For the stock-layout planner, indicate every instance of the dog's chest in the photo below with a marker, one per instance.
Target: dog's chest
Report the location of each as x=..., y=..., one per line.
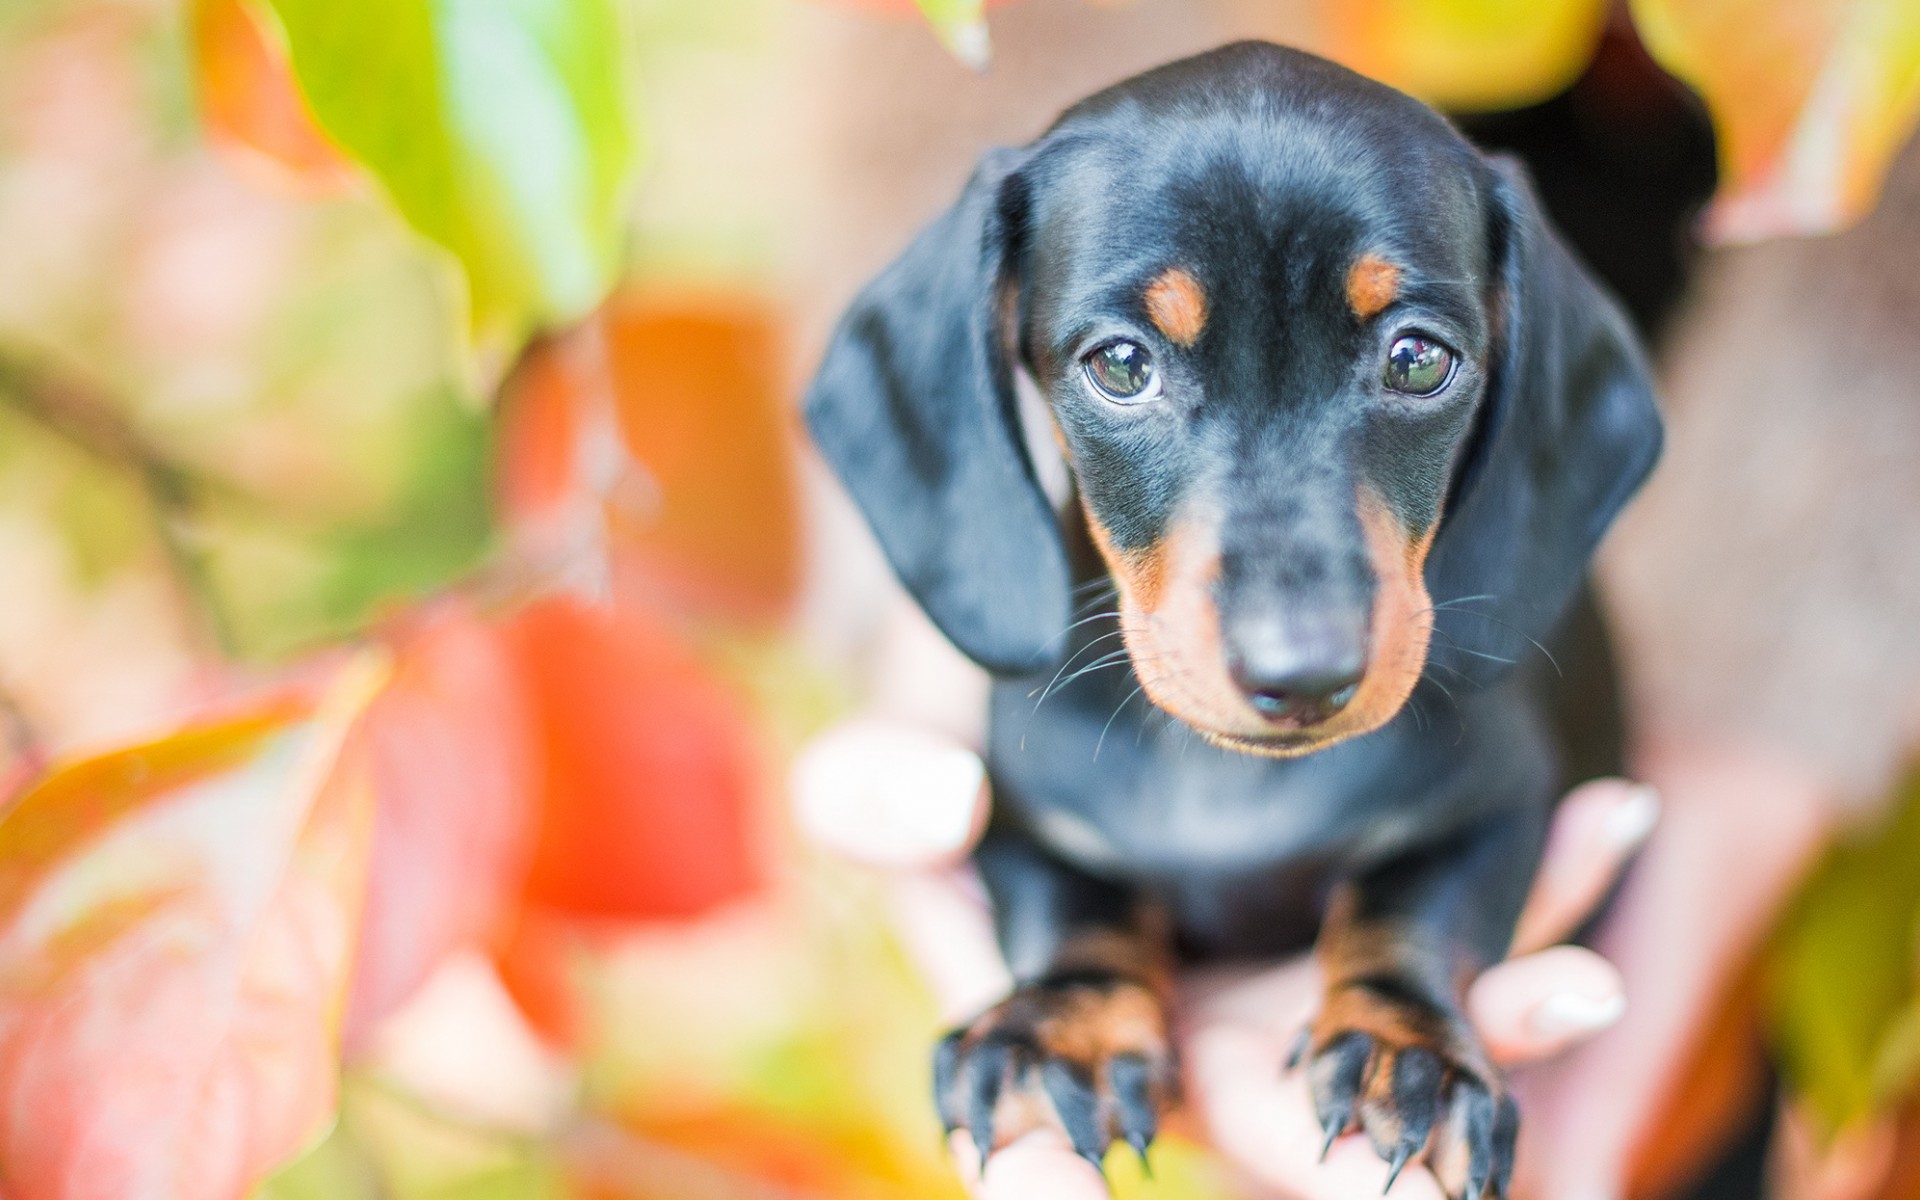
x=1238, y=844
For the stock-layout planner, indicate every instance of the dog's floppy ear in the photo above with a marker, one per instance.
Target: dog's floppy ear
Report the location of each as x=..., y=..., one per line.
x=1568, y=430
x=914, y=406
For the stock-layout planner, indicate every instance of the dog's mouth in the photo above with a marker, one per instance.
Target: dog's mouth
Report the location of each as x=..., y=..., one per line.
x=1290, y=744
x=1171, y=629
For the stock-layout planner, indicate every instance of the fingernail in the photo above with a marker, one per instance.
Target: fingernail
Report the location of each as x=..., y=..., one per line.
x=1632, y=821
x=1571, y=1014
x=887, y=794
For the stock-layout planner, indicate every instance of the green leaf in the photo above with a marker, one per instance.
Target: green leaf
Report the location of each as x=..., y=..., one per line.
x=1841, y=979
x=498, y=127
x=962, y=26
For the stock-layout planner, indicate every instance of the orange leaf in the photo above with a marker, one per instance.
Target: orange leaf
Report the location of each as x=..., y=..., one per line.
x=537, y=955
x=708, y=508
x=1811, y=99
x=176, y=924
x=451, y=751
x=250, y=104
x=703, y=409
x=650, y=768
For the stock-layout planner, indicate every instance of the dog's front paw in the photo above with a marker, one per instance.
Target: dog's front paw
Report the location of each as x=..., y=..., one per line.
x=1414, y=1080
x=1085, y=1052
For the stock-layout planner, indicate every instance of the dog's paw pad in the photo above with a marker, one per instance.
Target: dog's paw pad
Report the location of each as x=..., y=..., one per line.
x=1088, y=1055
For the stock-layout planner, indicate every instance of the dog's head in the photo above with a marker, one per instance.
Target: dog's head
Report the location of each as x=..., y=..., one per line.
x=1315, y=364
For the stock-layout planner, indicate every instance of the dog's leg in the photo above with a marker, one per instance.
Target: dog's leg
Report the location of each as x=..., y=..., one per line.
x=1391, y=1051
x=1082, y=1042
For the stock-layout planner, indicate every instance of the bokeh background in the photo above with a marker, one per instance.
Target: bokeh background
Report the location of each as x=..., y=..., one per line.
x=413, y=585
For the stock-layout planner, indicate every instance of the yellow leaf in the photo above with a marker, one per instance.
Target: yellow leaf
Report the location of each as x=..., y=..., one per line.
x=1465, y=54
x=1811, y=100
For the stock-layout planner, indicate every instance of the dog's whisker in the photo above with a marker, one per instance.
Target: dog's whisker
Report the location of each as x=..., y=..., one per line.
x=1459, y=600
x=1055, y=681
x=1454, y=643
x=1112, y=659
x=1137, y=689
x=1102, y=615
x=1467, y=612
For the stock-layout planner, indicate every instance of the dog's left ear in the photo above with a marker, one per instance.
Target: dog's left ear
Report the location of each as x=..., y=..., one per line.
x=1567, y=432
x=914, y=406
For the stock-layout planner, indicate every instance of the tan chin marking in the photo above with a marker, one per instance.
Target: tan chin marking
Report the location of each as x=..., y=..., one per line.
x=1372, y=283
x=1172, y=631
x=1177, y=306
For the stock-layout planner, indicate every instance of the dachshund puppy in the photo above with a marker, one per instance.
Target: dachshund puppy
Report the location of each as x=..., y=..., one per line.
x=1341, y=423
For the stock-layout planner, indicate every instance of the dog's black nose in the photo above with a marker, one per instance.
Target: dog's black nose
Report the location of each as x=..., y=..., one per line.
x=1298, y=683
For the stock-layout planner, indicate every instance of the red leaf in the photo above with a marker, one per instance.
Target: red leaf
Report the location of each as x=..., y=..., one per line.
x=452, y=762
x=650, y=769
x=176, y=926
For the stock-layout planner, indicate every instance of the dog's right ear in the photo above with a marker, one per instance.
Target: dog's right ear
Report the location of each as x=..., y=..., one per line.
x=914, y=406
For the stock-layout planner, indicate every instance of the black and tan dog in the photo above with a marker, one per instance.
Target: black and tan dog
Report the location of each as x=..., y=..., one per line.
x=1342, y=423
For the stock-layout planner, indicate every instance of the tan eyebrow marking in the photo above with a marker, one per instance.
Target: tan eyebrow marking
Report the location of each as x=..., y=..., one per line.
x=1372, y=283
x=1177, y=306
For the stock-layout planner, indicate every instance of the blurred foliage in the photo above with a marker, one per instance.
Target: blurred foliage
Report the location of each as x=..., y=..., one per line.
x=499, y=128
x=1467, y=54
x=1812, y=100
x=1843, y=974
x=177, y=938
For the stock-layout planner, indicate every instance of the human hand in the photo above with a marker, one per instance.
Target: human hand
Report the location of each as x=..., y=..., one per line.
x=913, y=804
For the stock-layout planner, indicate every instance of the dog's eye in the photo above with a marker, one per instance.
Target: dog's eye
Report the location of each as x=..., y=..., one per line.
x=1123, y=372
x=1418, y=366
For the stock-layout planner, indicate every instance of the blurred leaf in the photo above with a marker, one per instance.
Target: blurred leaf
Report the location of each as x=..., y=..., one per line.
x=962, y=28
x=711, y=514
x=1811, y=99
x=498, y=127
x=1465, y=54
x=176, y=928
x=391, y=1145
x=249, y=103
x=650, y=783
x=292, y=577
x=334, y=1169
x=703, y=409
x=452, y=766
x=1842, y=973
x=651, y=772
x=541, y=956
x=439, y=526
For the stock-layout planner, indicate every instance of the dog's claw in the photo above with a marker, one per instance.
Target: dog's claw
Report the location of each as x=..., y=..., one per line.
x=1416, y=1106
x=1134, y=1112
x=1140, y=1145
x=1297, y=1053
x=1332, y=1135
x=1335, y=1077
x=986, y=1072
x=946, y=1064
x=1394, y=1168
x=1078, y=1107
x=1506, y=1130
x=1473, y=1113
x=1073, y=1053
x=1419, y=1078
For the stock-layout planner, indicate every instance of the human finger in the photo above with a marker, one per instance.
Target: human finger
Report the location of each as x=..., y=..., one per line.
x=1596, y=830
x=890, y=794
